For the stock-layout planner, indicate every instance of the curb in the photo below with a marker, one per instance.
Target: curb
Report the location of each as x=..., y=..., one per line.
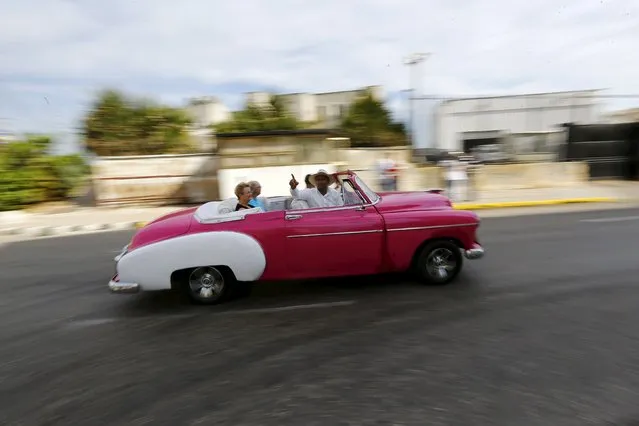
x=47, y=231
x=537, y=203
x=44, y=231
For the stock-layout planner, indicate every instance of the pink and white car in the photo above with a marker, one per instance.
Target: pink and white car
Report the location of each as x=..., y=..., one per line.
x=213, y=253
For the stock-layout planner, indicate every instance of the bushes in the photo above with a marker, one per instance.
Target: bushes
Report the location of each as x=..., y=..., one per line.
x=117, y=125
x=29, y=176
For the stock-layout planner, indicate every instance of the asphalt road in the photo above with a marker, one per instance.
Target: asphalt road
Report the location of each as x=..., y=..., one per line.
x=542, y=331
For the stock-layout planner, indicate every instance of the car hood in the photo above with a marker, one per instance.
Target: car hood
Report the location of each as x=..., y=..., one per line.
x=168, y=226
x=418, y=200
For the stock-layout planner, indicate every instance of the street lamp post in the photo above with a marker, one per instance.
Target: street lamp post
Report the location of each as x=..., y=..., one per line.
x=412, y=61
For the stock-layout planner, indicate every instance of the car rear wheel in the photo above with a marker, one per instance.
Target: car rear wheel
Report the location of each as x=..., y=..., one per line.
x=208, y=285
x=439, y=262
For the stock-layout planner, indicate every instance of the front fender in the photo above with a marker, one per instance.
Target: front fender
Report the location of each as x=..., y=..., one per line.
x=151, y=266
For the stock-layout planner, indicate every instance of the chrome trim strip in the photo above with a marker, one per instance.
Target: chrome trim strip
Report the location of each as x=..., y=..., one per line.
x=326, y=234
x=124, y=251
x=419, y=228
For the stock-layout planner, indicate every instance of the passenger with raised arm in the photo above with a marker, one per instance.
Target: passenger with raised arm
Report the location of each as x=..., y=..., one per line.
x=243, y=194
x=319, y=196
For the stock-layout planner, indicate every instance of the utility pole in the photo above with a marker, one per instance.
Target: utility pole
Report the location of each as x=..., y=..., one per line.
x=412, y=61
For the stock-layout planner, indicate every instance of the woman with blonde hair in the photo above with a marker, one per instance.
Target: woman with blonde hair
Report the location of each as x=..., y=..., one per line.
x=243, y=194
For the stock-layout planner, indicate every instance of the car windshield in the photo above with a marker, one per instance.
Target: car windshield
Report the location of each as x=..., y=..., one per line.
x=372, y=195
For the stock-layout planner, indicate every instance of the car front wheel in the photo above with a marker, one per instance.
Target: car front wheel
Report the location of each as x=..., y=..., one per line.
x=439, y=262
x=208, y=285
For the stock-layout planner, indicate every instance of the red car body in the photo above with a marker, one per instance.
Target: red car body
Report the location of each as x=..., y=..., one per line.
x=378, y=233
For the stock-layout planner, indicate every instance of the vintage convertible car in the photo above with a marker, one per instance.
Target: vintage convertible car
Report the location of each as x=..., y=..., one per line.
x=214, y=253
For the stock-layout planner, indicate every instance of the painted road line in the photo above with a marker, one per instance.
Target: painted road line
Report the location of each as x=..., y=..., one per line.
x=611, y=219
x=93, y=322
x=290, y=308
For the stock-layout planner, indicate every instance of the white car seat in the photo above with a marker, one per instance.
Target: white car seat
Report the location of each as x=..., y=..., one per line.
x=298, y=204
x=227, y=206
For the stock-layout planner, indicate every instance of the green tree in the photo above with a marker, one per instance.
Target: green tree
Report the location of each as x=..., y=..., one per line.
x=369, y=123
x=253, y=118
x=28, y=175
x=116, y=125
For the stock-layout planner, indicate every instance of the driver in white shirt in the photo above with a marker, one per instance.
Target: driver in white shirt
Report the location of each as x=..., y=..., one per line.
x=320, y=196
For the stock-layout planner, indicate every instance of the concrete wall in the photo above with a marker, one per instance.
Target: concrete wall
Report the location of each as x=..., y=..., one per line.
x=194, y=178
x=501, y=177
x=531, y=175
x=240, y=152
x=162, y=178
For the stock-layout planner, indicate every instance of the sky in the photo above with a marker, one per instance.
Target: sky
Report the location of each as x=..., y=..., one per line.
x=56, y=54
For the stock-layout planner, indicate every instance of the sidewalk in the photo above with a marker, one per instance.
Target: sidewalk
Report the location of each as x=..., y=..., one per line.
x=87, y=219
x=80, y=220
x=597, y=192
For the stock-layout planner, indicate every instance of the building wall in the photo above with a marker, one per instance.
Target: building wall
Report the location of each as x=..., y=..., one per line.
x=207, y=111
x=327, y=108
x=514, y=114
x=301, y=105
x=258, y=98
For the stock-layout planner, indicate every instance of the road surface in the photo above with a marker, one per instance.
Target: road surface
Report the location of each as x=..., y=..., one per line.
x=542, y=331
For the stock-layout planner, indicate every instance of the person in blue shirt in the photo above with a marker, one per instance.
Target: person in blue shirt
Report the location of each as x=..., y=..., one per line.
x=256, y=190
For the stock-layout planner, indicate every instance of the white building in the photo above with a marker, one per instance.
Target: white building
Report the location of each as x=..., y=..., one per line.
x=326, y=108
x=540, y=112
x=207, y=111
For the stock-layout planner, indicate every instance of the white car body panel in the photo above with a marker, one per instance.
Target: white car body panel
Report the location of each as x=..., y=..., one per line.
x=151, y=266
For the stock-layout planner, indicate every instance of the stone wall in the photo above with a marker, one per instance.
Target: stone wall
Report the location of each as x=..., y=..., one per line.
x=161, y=178
x=195, y=178
x=500, y=177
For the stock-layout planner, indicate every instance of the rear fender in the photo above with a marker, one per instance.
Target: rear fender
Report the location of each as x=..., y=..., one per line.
x=151, y=266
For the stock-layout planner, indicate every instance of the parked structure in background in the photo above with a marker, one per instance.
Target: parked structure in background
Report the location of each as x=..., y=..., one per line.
x=207, y=111
x=327, y=109
x=610, y=150
x=527, y=113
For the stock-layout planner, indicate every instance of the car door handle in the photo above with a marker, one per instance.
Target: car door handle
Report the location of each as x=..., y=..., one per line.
x=293, y=216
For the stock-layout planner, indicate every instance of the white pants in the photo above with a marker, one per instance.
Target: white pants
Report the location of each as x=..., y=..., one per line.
x=458, y=190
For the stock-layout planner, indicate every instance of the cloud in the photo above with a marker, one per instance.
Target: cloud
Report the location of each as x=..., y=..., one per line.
x=67, y=49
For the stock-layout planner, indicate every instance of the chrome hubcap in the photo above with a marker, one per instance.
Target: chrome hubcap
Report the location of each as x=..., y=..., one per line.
x=206, y=283
x=441, y=263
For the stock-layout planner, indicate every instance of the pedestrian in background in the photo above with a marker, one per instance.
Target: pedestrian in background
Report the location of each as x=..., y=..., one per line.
x=387, y=171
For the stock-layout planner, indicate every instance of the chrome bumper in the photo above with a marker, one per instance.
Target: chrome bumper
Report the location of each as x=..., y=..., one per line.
x=125, y=288
x=476, y=252
x=115, y=285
